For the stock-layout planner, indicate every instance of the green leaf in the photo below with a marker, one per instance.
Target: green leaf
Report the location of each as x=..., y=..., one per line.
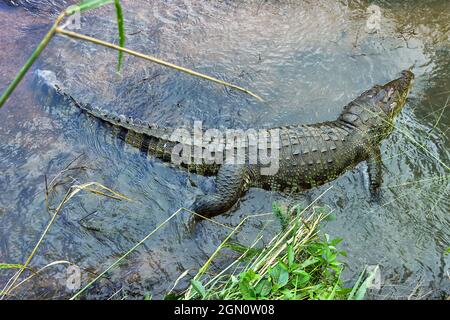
x=330, y=256
x=248, y=275
x=336, y=241
x=263, y=288
x=302, y=278
x=247, y=291
x=287, y=294
x=86, y=5
x=121, y=28
x=291, y=256
x=148, y=297
x=279, y=274
x=10, y=266
x=359, y=289
x=331, y=217
x=171, y=296
x=309, y=262
x=249, y=252
x=344, y=291
x=198, y=287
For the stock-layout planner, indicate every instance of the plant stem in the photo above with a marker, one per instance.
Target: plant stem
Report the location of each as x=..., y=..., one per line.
x=153, y=59
x=31, y=60
x=125, y=255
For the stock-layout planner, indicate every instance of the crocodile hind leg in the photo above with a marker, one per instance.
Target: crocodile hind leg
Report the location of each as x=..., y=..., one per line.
x=231, y=182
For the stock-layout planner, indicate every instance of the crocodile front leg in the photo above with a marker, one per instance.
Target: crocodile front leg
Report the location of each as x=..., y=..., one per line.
x=375, y=173
x=231, y=182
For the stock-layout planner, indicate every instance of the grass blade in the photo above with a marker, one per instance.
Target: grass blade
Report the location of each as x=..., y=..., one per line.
x=365, y=285
x=41, y=46
x=10, y=266
x=86, y=5
x=198, y=287
x=121, y=31
x=69, y=194
x=118, y=261
x=79, y=36
x=355, y=287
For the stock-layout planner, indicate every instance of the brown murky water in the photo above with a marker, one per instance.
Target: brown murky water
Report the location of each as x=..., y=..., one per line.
x=306, y=58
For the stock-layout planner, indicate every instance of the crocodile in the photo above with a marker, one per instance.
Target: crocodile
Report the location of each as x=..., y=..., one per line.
x=309, y=154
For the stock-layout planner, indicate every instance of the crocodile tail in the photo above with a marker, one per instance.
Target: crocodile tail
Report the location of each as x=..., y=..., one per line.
x=149, y=138
x=152, y=139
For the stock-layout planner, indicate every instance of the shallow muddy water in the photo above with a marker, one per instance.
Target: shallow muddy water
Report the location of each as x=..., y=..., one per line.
x=306, y=58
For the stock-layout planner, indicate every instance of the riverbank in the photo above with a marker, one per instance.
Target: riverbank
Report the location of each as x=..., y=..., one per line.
x=299, y=263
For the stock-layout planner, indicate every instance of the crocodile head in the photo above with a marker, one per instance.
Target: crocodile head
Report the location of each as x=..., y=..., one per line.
x=376, y=109
x=392, y=96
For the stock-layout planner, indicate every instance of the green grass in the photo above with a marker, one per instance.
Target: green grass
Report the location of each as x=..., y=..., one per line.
x=299, y=263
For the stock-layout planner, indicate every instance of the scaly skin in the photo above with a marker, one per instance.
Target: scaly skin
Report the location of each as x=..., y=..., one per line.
x=309, y=155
